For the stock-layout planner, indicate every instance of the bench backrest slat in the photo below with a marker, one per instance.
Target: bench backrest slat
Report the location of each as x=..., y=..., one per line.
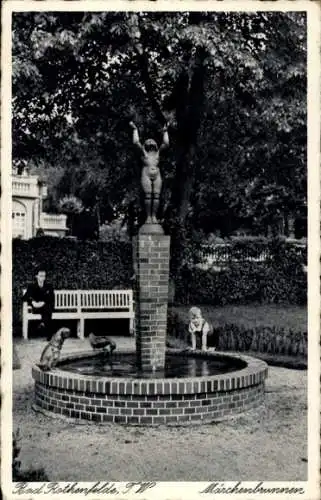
x=66, y=299
x=93, y=299
x=96, y=299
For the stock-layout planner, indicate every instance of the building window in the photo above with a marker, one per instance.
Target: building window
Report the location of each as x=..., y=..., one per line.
x=18, y=224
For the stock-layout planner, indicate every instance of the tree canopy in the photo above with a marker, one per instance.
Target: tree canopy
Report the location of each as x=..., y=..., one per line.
x=232, y=85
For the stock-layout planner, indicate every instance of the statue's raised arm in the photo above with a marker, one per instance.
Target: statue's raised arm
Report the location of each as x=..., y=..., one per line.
x=136, y=140
x=165, y=142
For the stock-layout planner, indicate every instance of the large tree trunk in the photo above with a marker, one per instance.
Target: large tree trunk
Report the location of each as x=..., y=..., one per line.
x=188, y=99
x=179, y=206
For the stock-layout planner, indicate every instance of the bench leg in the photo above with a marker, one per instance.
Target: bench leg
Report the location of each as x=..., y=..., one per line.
x=132, y=326
x=81, y=328
x=25, y=328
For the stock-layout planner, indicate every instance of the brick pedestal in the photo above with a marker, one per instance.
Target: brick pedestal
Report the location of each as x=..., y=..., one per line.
x=151, y=256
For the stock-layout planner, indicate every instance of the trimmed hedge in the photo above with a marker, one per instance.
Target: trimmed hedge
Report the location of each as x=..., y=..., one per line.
x=70, y=264
x=280, y=279
x=247, y=248
x=106, y=265
x=233, y=337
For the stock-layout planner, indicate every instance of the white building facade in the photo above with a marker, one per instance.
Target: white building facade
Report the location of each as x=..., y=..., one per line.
x=27, y=215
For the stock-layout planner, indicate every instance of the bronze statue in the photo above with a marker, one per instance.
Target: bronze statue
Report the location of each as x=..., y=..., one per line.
x=103, y=343
x=151, y=180
x=51, y=353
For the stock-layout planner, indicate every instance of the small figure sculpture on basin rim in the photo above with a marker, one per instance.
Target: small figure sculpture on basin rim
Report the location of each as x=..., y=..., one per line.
x=51, y=353
x=105, y=344
x=198, y=329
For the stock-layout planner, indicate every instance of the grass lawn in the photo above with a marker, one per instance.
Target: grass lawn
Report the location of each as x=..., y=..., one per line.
x=251, y=316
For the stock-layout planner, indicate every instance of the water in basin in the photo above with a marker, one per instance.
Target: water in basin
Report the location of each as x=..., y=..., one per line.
x=176, y=366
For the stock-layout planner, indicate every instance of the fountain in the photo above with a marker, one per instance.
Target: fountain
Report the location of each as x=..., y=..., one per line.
x=154, y=385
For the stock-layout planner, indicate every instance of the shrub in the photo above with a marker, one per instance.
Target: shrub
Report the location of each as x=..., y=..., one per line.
x=280, y=279
x=71, y=264
x=262, y=339
x=18, y=474
x=113, y=231
x=70, y=205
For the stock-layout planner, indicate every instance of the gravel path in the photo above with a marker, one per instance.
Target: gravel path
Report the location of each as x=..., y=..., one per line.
x=253, y=446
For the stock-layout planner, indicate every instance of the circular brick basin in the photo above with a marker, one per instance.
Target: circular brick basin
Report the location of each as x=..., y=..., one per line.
x=150, y=401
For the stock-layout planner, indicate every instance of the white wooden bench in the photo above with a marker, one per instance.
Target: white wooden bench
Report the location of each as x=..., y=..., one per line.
x=86, y=304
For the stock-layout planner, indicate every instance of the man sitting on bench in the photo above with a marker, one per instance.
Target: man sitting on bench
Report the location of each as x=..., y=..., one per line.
x=40, y=296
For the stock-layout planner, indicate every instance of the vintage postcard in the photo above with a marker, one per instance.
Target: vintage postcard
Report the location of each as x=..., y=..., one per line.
x=160, y=249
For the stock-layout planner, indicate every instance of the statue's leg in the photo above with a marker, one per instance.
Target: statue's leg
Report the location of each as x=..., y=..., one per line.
x=155, y=208
x=148, y=207
x=147, y=188
x=157, y=186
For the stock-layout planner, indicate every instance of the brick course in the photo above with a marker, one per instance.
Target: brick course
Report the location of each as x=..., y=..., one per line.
x=151, y=402
x=151, y=253
x=207, y=409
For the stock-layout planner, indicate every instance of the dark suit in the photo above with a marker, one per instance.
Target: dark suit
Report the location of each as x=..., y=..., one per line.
x=42, y=294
